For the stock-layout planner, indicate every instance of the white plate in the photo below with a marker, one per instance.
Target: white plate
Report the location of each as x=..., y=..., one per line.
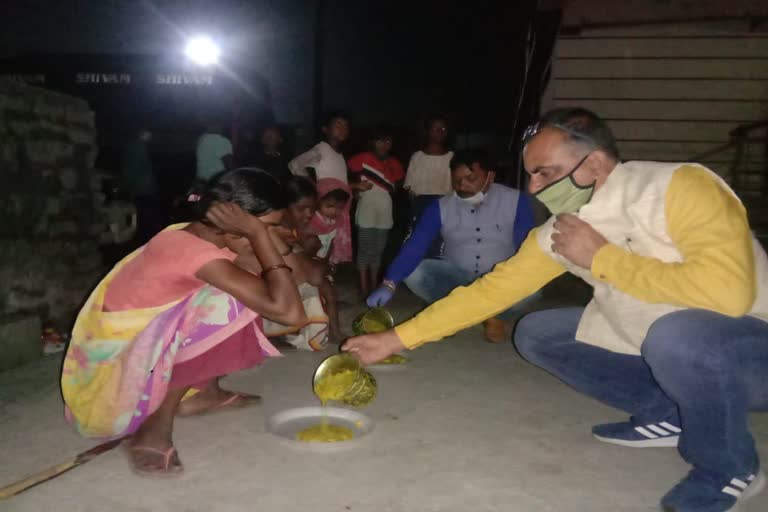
x=286, y=424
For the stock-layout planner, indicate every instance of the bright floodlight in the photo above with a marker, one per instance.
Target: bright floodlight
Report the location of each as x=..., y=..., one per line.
x=202, y=51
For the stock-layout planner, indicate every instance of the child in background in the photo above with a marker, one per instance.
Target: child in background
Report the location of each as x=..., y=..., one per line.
x=333, y=202
x=374, y=208
x=429, y=174
x=326, y=160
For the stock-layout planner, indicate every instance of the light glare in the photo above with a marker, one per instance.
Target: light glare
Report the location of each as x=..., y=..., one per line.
x=203, y=51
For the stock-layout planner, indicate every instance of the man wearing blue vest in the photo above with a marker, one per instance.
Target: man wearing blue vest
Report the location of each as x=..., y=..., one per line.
x=482, y=224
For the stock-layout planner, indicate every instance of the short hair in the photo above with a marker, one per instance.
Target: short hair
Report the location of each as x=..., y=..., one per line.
x=271, y=126
x=297, y=188
x=467, y=157
x=433, y=118
x=338, y=194
x=382, y=131
x=332, y=115
x=583, y=128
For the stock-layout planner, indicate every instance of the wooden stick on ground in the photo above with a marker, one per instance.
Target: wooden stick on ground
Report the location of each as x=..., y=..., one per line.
x=54, y=471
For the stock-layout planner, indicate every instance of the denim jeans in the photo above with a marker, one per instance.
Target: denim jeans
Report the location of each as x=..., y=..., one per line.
x=698, y=369
x=434, y=279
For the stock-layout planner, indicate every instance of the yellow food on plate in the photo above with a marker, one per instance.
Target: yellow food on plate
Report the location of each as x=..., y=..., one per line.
x=394, y=359
x=335, y=385
x=325, y=433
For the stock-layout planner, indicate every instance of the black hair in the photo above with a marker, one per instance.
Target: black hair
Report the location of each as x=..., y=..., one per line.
x=338, y=194
x=382, y=131
x=583, y=128
x=297, y=188
x=271, y=126
x=467, y=157
x=433, y=119
x=332, y=115
x=254, y=190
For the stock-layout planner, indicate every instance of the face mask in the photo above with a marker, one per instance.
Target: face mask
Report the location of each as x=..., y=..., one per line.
x=476, y=199
x=564, y=195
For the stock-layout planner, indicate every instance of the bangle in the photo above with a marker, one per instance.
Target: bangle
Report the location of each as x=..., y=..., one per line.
x=389, y=285
x=275, y=267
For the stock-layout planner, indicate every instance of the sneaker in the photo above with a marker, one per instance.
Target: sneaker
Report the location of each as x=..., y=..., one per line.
x=703, y=492
x=653, y=435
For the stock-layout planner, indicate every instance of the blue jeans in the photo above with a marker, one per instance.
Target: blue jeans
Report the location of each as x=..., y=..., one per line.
x=434, y=279
x=698, y=369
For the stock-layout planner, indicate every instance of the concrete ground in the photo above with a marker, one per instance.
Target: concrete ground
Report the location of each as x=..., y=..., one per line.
x=465, y=426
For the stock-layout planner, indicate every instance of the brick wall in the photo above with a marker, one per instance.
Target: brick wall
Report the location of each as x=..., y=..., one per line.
x=49, y=200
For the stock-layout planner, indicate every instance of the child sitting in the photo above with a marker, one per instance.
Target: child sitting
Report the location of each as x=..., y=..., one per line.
x=373, y=216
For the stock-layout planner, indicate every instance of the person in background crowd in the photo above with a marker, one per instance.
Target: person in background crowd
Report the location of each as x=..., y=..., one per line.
x=247, y=149
x=138, y=181
x=270, y=156
x=326, y=161
x=482, y=222
x=373, y=215
x=676, y=334
x=429, y=172
x=213, y=153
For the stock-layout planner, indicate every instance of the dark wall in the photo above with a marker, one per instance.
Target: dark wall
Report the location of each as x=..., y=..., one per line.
x=273, y=38
x=403, y=60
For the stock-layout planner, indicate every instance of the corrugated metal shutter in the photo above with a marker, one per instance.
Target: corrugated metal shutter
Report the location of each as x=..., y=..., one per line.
x=669, y=92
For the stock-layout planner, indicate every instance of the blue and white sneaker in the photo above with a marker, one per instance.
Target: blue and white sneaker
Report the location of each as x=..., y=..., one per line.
x=653, y=435
x=703, y=492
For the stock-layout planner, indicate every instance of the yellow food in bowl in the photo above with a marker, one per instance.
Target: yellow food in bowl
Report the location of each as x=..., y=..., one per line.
x=373, y=326
x=325, y=433
x=335, y=385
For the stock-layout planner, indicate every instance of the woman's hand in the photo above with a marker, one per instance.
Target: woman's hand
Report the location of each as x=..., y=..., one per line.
x=230, y=218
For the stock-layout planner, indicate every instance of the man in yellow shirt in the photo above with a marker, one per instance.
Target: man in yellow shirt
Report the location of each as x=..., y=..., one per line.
x=676, y=334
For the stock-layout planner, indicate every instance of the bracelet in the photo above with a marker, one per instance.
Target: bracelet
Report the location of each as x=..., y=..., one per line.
x=385, y=284
x=275, y=267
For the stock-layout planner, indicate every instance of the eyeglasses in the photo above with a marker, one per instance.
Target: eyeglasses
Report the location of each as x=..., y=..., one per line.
x=536, y=128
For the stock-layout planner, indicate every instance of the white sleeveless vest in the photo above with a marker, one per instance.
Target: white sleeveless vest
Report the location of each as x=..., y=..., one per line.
x=629, y=211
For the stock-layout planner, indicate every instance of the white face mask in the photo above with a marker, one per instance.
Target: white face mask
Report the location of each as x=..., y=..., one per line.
x=476, y=199
x=473, y=200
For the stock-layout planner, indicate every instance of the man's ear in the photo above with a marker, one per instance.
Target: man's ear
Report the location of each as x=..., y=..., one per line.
x=599, y=163
x=491, y=178
x=324, y=129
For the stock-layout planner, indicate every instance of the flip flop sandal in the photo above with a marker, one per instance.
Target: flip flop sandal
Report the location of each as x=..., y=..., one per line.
x=236, y=401
x=171, y=467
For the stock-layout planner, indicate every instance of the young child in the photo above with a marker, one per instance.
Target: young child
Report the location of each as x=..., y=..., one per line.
x=326, y=223
x=326, y=160
x=429, y=174
x=373, y=217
